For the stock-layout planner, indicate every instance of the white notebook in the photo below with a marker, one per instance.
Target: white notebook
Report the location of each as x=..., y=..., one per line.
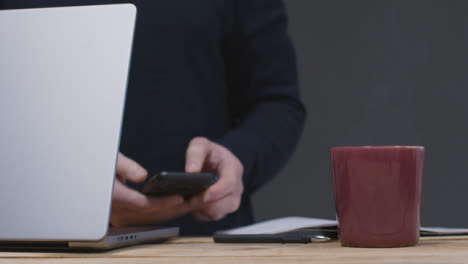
x=287, y=224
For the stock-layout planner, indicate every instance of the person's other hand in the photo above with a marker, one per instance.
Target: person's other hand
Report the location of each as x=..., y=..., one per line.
x=224, y=197
x=130, y=207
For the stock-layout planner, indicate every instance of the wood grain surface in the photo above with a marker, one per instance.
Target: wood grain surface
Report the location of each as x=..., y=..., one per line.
x=203, y=250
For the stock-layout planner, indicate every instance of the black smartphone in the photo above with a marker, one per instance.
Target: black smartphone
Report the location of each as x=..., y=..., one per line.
x=182, y=183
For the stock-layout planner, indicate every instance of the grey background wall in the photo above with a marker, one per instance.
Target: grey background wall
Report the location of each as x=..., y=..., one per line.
x=391, y=72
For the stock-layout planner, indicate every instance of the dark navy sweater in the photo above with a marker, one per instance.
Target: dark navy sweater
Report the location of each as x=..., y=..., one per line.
x=222, y=69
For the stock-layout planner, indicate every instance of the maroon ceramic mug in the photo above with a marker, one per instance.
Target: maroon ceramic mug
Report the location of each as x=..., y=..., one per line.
x=378, y=194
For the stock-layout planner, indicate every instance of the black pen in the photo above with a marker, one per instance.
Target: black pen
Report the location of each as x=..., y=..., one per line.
x=270, y=238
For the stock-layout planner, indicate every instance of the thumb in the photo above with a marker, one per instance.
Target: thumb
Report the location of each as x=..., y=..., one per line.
x=196, y=154
x=128, y=169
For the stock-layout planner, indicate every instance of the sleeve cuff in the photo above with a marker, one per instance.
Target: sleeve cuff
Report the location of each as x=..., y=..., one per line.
x=245, y=147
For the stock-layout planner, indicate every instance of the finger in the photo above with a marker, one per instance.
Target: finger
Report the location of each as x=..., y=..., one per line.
x=124, y=197
x=128, y=169
x=127, y=217
x=196, y=154
x=196, y=202
x=219, y=209
x=166, y=203
x=210, y=214
x=172, y=213
x=227, y=184
x=201, y=217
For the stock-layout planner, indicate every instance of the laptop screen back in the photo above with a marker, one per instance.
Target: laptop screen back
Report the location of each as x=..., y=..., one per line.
x=63, y=79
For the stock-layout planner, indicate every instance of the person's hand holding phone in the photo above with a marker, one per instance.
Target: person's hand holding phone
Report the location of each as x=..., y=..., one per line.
x=130, y=207
x=224, y=197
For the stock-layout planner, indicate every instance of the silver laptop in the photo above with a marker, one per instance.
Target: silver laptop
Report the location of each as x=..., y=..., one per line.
x=63, y=80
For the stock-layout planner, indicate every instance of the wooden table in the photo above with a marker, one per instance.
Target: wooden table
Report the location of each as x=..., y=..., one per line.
x=203, y=250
